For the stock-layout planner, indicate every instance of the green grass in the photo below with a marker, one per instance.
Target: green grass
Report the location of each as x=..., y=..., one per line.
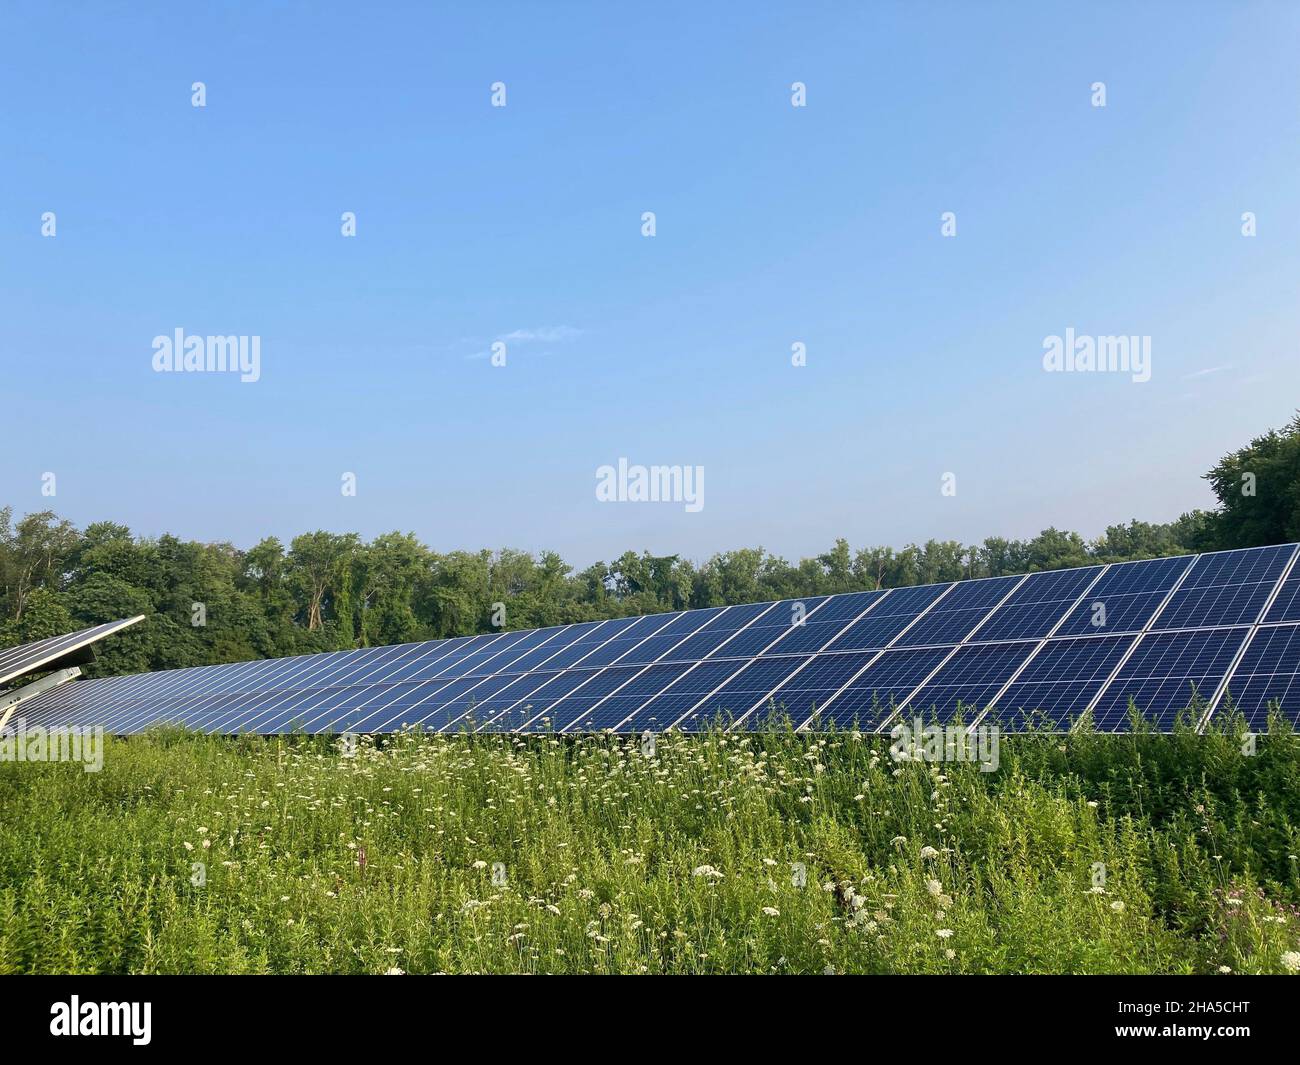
x=683, y=862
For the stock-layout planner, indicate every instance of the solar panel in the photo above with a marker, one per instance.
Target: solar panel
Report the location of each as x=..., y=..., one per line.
x=1038, y=605
x=1227, y=588
x=1164, y=671
x=889, y=617
x=868, y=700
x=1268, y=673
x=1047, y=645
x=959, y=612
x=1061, y=680
x=1126, y=597
x=1286, y=607
x=968, y=680
x=56, y=651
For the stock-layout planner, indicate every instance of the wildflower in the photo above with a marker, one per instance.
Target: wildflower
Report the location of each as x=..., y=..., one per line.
x=771, y=911
x=898, y=841
x=944, y=933
x=929, y=852
x=1291, y=961
x=395, y=971
x=1225, y=969
x=1117, y=906
x=188, y=845
x=480, y=864
x=707, y=870
x=950, y=954
x=934, y=888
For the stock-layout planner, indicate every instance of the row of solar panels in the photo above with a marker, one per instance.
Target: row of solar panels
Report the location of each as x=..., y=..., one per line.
x=1062, y=642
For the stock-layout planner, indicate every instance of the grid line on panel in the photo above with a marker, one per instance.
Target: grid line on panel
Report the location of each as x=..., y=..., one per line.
x=695, y=665
x=827, y=645
x=967, y=678
x=1087, y=710
x=736, y=632
x=1070, y=609
x=952, y=653
x=1241, y=651
x=897, y=636
x=276, y=701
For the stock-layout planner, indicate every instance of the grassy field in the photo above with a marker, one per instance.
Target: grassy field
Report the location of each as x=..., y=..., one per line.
x=765, y=853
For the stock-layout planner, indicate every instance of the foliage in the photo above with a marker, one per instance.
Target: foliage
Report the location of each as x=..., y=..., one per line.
x=682, y=861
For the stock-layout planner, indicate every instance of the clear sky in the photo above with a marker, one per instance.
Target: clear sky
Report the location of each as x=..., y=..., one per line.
x=774, y=225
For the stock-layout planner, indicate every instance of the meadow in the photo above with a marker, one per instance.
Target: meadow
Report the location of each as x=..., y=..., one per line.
x=755, y=853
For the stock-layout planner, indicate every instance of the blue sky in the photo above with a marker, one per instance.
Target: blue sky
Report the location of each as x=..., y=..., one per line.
x=775, y=224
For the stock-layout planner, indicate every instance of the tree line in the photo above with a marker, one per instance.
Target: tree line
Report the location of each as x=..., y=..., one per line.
x=213, y=602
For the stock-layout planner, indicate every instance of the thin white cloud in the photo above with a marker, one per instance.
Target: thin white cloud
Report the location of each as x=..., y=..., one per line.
x=544, y=334
x=548, y=334
x=1206, y=372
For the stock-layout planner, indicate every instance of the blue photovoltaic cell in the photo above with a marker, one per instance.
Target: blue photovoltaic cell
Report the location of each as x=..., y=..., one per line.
x=661, y=711
x=890, y=617
x=954, y=616
x=568, y=708
x=1161, y=673
x=1286, y=607
x=853, y=658
x=830, y=620
x=1269, y=672
x=716, y=636
x=869, y=700
x=813, y=686
x=625, y=646
x=536, y=705
x=769, y=627
x=536, y=657
x=1228, y=588
x=682, y=626
x=969, y=679
x=1126, y=597
x=1061, y=680
x=627, y=700
x=1037, y=605
x=735, y=698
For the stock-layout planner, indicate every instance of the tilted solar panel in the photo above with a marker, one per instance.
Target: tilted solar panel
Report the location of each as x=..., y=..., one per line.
x=56, y=651
x=1268, y=673
x=1060, y=681
x=1008, y=650
x=1227, y=588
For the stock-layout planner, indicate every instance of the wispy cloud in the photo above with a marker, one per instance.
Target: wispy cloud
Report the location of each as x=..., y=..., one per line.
x=1207, y=372
x=543, y=334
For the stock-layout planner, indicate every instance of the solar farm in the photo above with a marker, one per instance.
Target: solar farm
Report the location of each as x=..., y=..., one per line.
x=1051, y=648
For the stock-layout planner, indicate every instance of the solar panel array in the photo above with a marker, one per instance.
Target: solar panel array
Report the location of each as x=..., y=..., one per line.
x=1045, y=647
x=56, y=650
